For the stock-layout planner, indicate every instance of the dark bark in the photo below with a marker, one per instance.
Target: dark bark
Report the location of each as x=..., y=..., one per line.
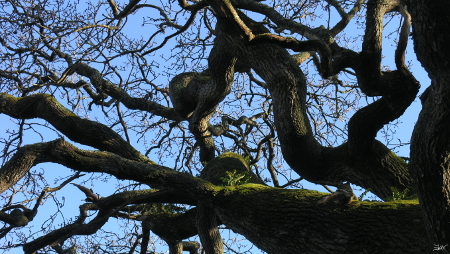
x=430, y=143
x=275, y=220
x=287, y=221
x=81, y=130
x=208, y=231
x=362, y=159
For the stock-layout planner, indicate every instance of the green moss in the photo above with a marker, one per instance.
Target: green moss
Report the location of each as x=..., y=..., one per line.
x=5, y=96
x=51, y=99
x=217, y=169
x=253, y=191
x=181, y=81
x=392, y=205
x=397, y=158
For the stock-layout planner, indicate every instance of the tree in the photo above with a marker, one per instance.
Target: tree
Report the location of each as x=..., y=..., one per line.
x=89, y=81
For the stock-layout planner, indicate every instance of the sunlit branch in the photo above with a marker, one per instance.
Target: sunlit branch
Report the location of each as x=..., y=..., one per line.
x=64, y=153
x=403, y=40
x=81, y=130
x=276, y=17
x=119, y=94
x=324, y=67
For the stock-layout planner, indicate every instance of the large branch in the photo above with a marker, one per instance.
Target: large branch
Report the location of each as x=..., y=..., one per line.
x=81, y=130
x=25, y=158
x=276, y=17
x=290, y=221
x=398, y=88
x=430, y=144
x=64, y=153
x=372, y=80
x=287, y=85
x=295, y=217
x=196, y=96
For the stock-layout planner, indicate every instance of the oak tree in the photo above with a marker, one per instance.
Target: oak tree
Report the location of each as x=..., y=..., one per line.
x=184, y=118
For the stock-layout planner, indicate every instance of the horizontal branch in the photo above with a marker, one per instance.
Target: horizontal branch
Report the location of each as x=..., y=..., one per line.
x=25, y=158
x=64, y=153
x=285, y=212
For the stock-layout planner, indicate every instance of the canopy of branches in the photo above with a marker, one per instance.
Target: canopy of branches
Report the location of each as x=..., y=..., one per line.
x=185, y=121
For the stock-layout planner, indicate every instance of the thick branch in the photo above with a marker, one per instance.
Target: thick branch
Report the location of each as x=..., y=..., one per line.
x=274, y=219
x=430, y=150
x=276, y=17
x=64, y=153
x=16, y=218
x=25, y=158
x=303, y=153
x=119, y=94
x=372, y=80
x=83, y=131
x=256, y=211
x=301, y=46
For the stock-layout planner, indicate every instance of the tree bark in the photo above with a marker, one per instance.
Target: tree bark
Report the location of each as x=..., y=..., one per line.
x=290, y=221
x=430, y=143
x=276, y=220
x=362, y=160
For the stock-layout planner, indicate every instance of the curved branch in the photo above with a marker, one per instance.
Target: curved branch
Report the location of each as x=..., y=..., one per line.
x=346, y=17
x=372, y=80
x=314, y=162
x=21, y=162
x=16, y=218
x=108, y=207
x=65, y=232
x=301, y=46
x=276, y=17
x=84, y=131
x=90, y=195
x=197, y=96
x=119, y=94
x=64, y=153
x=249, y=209
x=399, y=89
x=403, y=40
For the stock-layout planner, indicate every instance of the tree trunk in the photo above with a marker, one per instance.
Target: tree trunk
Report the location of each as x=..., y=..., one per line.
x=430, y=143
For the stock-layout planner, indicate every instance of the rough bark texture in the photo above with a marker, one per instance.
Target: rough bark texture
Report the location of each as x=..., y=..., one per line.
x=430, y=144
x=290, y=221
x=363, y=160
x=296, y=219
